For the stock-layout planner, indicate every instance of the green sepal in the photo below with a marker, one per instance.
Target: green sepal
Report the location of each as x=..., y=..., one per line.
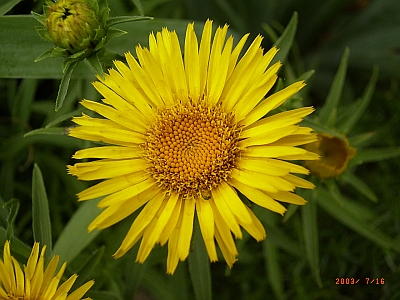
x=52, y=53
x=95, y=63
x=47, y=131
x=68, y=68
x=114, y=32
x=40, y=18
x=43, y=33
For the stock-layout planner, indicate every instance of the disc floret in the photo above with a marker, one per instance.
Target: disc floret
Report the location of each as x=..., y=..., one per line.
x=192, y=148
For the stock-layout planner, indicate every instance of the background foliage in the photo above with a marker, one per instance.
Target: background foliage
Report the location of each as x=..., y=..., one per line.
x=349, y=229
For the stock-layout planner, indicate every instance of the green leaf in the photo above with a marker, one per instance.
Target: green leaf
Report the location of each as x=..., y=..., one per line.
x=40, y=212
x=199, y=266
x=17, y=246
x=359, y=185
x=318, y=127
x=327, y=114
x=12, y=215
x=139, y=6
x=75, y=236
x=274, y=269
x=285, y=41
x=60, y=130
x=346, y=215
x=62, y=92
x=7, y=5
x=125, y=19
x=22, y=45
x=47, y=131
x=86, y=269
x=310, y=232
x=374, y=155
x=345, y=126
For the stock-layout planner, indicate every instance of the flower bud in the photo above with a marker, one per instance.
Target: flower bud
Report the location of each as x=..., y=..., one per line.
x=74, y=25
x=335, y=154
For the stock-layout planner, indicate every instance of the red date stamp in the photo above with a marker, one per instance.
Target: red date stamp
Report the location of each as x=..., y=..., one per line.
x=346, y=281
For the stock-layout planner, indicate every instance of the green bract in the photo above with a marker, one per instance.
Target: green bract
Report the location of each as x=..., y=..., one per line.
x=79, y=30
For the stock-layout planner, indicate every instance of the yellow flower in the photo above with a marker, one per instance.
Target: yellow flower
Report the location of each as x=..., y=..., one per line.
x=183, y=136
x=335, y=155
x=32, y=283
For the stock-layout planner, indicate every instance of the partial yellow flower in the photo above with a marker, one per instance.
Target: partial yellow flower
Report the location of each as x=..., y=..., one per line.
x=34, y=283
x=183, y=136
x=335, y=154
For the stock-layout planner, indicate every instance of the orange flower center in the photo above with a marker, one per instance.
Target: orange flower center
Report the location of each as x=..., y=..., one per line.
x=192, y=148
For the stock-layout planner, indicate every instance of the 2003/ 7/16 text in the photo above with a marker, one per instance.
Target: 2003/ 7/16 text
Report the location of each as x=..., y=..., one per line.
x=343, y=280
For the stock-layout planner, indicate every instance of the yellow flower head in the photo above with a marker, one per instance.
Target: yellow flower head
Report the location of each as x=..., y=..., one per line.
x=184, y=136
x=335, y=154
x=34, y=283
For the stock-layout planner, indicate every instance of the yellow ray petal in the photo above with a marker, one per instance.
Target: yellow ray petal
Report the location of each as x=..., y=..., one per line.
x=277, y=121
x=296, y=139
x=112, y=185
x=162, y=87
x=255, y=228
x=258, y=197
x=140, y=79
x=173, y=256
x=218, y=65
x=140, y=223
x=252, y=180
x=204, y=54
x=261, y=165
x=219, y=203
x=79, y=292
x=127, y=193
x=292, y=168
x=271, y=103
x=117, y=212
x=225, y=242
x=274, y=151
x=288, y=197
x=268, y=137
x=153, y=231
x=205, y=216
x=235, y=54
x=104, y=169
x=170, y=226
x=186, y=230
x=113, y=152
x=234, y=203
x=192, y=63
x=109, y=135
x=299, y=182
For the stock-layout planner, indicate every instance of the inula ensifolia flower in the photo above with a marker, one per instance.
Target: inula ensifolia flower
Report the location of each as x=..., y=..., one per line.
x=183, y=136
x=74, y=25
x=35, y=281
x=335, y=154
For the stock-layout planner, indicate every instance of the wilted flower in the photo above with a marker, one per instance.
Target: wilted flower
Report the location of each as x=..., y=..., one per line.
x=335, y=154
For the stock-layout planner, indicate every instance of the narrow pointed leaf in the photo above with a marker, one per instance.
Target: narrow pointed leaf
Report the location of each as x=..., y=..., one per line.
x=346, y=125
x=359, y=185
x=75, y=236
x=273, y=267
x=40, y=212
x=285, y=41
x=62, y=92
x=124, y=19
x=345, y=215
x=47, y=131
x=310, y=232
x=17, y=245
x=95, y=63
x=328, y=112
x=199, y=266
x=374, y=155
x=139, y=6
